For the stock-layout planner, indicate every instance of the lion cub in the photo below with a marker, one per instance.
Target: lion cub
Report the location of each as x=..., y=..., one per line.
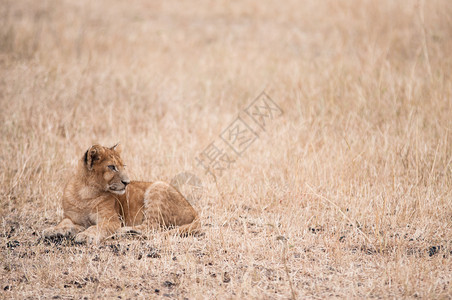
x=100, y=199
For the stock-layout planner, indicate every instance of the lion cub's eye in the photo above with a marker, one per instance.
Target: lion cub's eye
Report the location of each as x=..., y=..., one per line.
x=113, y=168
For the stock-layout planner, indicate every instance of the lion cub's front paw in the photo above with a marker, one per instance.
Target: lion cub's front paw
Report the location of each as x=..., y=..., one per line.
x=87, y=238
x=58, y=232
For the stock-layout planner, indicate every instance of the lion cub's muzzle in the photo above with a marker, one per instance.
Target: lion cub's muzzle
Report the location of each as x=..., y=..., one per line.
x=119, y=187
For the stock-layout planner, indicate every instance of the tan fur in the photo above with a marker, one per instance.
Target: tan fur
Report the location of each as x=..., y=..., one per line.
x=99, y=200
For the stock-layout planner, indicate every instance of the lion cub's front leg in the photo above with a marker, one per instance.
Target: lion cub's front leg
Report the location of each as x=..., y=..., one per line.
x=97, y=233
x=106, y=222
x=66, y=228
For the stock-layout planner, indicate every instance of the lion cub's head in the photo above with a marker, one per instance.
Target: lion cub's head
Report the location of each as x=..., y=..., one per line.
x=106, y=169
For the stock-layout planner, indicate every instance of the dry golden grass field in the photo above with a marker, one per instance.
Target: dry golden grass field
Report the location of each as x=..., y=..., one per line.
x=344, y=193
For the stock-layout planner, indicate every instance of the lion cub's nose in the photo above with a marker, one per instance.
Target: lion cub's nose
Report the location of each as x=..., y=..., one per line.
x=125, y=182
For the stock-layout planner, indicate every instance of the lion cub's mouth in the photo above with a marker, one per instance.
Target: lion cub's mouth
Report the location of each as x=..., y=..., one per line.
x=118, y=192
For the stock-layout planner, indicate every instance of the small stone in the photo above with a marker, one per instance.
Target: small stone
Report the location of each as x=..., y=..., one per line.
x=433, y=250
x=168, y=284
x=226, y=277
x=12, y=244
x=153, y=254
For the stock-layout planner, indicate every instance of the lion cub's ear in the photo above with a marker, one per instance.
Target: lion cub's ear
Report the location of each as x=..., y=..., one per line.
x=93, y=155
x=117, y=148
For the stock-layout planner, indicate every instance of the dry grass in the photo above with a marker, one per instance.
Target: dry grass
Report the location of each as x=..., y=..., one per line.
x=348, y=194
